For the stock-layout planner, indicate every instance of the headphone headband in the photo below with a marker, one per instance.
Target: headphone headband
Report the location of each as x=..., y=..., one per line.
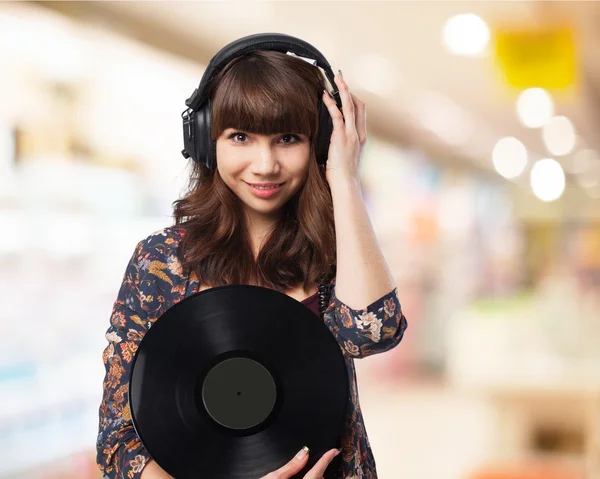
x=259, y=41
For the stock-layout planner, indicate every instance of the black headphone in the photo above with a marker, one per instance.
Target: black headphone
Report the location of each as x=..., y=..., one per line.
x=197, y=119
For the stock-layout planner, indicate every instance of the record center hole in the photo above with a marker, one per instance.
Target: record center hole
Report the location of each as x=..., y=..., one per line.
x=239, y=393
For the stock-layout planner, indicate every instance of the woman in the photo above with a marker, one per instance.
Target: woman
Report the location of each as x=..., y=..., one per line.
x=269, y=216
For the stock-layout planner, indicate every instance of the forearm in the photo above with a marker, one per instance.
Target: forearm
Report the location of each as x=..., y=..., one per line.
x=154, y=471
x=362, y=274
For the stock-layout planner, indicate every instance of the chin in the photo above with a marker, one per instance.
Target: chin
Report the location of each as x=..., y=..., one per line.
x=265, y=210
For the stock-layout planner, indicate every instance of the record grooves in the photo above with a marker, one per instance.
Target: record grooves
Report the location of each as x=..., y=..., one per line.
x=232, y=381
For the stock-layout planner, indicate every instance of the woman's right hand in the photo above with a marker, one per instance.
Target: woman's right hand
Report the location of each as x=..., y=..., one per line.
x=299, y=461
x=154, y=471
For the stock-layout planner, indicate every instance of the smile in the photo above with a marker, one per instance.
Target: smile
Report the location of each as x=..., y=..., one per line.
x=265, y=187
x=265, y=191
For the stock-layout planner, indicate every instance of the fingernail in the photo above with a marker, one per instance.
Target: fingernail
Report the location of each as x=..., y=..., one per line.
x=340, y=74
x=302, y=454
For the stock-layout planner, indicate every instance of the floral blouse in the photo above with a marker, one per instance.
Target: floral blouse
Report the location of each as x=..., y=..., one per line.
x=152, y=283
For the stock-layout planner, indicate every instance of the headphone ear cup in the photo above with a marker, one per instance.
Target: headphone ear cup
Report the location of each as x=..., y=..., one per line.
x=188, y=135
x=324, y=134
x=205, y=147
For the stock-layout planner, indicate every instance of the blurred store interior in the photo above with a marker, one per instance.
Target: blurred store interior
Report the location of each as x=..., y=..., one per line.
x=481, y=175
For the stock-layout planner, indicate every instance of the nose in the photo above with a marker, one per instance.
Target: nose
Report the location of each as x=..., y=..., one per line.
x=265, y=162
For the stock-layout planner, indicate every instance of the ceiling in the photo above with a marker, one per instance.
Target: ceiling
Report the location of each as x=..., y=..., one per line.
x=408, y=37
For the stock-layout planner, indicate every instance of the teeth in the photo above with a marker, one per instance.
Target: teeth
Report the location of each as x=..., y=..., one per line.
x=265, y=187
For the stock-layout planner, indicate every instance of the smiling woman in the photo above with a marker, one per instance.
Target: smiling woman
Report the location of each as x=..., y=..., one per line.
x=260, y=211
x=265, y=216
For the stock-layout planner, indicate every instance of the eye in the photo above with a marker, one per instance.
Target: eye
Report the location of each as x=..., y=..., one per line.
x=295, y=138
x=236, y=134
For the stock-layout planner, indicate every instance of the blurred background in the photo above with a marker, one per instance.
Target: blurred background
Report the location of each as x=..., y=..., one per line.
x=481, y=175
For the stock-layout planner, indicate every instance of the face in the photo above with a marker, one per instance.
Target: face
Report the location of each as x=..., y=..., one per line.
x=247, y=161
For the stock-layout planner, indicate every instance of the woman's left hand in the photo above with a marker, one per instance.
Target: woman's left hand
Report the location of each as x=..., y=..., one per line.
x=349, y=135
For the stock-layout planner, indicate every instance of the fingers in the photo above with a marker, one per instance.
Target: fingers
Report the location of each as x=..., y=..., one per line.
x=361, y=119
x=299, y=461
x=336, y=115
x=318, y=470
x=354, y=118
x=292, y=467
x=348, y=107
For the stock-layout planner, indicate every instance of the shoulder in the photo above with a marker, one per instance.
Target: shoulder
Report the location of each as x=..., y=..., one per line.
x=158, y=254
x=162, y=241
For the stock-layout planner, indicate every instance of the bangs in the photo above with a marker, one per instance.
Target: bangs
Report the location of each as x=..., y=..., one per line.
x=257, y=96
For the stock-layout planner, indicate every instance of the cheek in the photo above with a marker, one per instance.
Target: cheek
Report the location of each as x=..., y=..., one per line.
x=227, y=174
x=298, y=167
x=229, y=166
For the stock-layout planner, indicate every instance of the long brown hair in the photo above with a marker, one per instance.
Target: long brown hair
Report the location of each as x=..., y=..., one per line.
x=262, y=92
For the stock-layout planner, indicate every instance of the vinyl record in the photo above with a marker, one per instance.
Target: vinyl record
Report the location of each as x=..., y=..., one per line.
x=232, y=381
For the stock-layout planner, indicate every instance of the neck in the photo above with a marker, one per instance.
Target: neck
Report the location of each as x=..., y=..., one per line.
x=259, y=228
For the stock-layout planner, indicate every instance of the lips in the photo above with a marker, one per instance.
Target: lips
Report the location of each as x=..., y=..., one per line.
x=262, y=191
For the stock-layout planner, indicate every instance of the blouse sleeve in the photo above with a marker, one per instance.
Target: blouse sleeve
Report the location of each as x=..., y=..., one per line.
x=120, y=453
x=362, y=332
